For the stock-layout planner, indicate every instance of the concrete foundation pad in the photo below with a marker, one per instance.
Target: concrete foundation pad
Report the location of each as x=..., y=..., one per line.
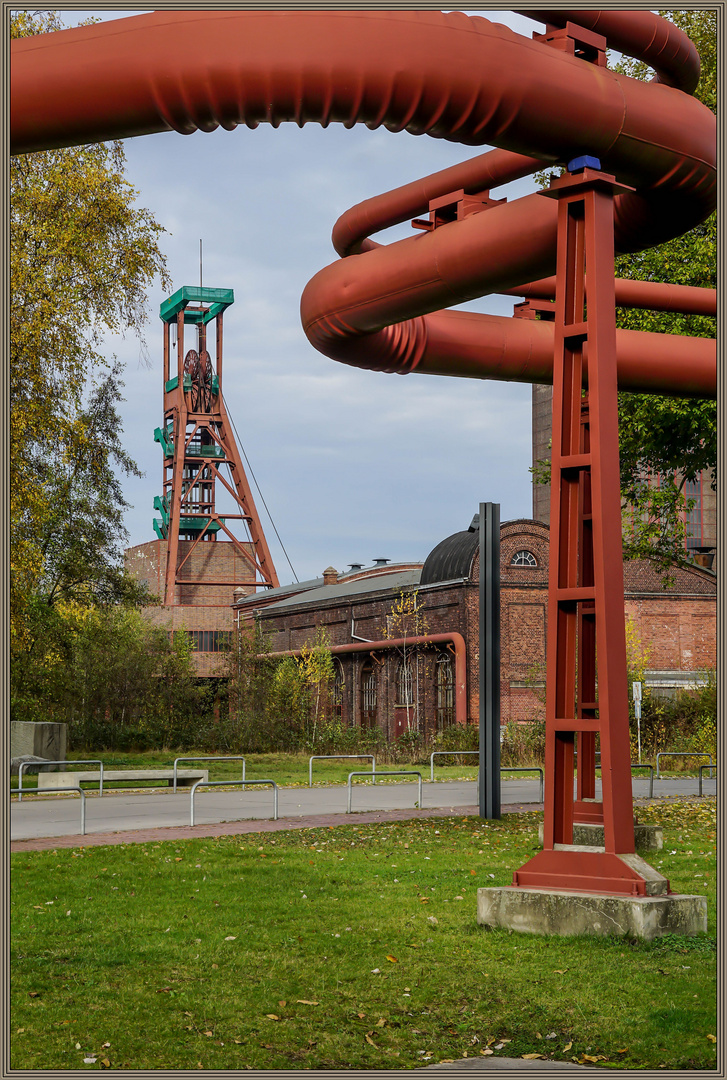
x=542, y=911
x=647, y=837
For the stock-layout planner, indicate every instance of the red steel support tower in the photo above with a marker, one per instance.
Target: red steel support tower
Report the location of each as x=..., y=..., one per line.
x=199, y=447
x=587, y=690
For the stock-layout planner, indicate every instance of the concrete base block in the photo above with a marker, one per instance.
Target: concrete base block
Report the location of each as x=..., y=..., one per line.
x=542, y=911
x=647, y=837
x=44, y=740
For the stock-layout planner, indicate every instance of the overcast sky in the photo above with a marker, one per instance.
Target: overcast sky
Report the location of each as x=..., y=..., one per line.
x=353, y=465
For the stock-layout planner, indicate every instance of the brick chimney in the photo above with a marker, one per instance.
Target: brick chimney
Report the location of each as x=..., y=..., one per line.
x=330, y=576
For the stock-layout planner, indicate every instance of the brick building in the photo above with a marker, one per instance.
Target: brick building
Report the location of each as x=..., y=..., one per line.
x=201, y=608
x=421, y=668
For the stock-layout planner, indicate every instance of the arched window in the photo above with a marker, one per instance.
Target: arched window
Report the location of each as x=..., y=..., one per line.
x=368, y=694
x=523, y=558
x=445, y=692
x=338, y=685
x=404, y=695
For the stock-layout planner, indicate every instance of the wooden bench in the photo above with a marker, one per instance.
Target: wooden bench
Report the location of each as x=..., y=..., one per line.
x=185, y=777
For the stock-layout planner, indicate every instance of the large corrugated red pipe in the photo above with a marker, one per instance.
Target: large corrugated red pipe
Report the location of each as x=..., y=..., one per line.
x=447, y=75
x=386, y=644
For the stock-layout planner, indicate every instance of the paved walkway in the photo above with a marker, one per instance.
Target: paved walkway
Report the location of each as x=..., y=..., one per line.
x=46, y=821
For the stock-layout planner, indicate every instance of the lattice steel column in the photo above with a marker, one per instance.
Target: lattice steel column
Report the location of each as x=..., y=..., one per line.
x=586, y=694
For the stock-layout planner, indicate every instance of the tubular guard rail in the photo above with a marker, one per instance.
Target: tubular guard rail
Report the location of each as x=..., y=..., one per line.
x=231, y=783
x=212, y=757
x=712, y=768
x=64, y=790
x=41, y=765
x=337, y=757
x=373, y=776
x=447, y=753
x=679, y=753
x=450, y=76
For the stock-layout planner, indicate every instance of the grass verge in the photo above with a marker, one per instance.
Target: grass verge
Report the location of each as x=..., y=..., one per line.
x=346, y=948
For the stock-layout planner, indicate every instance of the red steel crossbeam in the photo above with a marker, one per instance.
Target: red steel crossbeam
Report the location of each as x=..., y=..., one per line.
x=585, y=698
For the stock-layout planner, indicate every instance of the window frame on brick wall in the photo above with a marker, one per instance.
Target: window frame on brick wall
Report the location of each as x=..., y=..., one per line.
x=404, y=684
x=444, y=682
x=337, y=691
x=369, y=695
x=208, y=641
x=517, y=561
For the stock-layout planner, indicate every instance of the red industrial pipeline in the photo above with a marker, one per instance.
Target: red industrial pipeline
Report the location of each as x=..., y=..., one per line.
x=453, y=638
x=451, y=76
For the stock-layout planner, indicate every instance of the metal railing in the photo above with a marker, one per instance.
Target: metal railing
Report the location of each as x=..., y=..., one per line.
x=679, y=753
x=229, y=783
x=712, y=768
x=531, y=768
x=41, y=764
x=446, y=753
x=374, y=775
x=212, y=757
x=325, y=757
x=636, y=765
x=63, y=790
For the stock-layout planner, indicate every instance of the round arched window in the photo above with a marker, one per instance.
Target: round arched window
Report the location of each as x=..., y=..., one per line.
x=523, y=558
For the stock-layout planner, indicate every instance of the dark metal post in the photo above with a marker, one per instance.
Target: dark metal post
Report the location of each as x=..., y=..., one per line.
x=489, y=776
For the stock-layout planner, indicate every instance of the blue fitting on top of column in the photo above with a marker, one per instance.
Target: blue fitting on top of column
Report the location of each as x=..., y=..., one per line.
x=585, y=162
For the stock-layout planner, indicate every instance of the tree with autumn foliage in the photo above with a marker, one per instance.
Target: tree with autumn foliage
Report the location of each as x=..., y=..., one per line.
x=672, y=439
x=82, y=257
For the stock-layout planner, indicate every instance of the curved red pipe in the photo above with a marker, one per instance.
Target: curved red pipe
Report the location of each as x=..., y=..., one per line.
x=643, y=35
x=460, y=659
x=447, y=75
x=631, y=293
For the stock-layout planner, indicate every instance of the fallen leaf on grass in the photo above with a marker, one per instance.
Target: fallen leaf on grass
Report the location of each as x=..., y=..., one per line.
x=371, y=1041
x=531, y=1057
x=33, y=993
x=282, y=1004
x=560, y=971
x=270, y=1016
x=486, y=1051
x=568, y=1046
x=232, y=937
x=712, y=1038
x=89, y=1061
x=303, y=1001
x=208, y=1034
x=392, y=959
x=381, y=1022
x=106, y=1064
x=423, y=899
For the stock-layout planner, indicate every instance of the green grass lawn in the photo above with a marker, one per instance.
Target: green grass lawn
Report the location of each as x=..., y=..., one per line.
x=353, y=947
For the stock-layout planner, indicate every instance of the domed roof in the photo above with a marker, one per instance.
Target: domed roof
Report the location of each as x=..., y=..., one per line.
x=452, y=559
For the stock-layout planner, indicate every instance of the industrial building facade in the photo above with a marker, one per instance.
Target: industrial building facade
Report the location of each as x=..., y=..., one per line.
x=421, y=669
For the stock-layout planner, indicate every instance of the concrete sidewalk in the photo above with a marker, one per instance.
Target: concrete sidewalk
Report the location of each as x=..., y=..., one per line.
x=127, y=817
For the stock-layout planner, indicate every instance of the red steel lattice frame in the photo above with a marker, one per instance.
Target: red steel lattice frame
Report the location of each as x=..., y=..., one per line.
x=585, y=590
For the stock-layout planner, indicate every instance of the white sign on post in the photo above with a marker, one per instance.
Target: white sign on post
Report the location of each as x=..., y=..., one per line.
x=637, y=711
